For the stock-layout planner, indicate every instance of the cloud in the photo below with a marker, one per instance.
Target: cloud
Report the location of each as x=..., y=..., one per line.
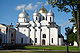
x=66, y=23
x=31, y=6
x=19, y=7
x=39, y=3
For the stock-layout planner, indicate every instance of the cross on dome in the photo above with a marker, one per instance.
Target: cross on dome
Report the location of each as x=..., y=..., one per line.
x=42, y=10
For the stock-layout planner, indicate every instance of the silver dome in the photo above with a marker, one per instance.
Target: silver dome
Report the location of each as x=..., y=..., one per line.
x=23, y=14
x=50, y=13
x=36, y=13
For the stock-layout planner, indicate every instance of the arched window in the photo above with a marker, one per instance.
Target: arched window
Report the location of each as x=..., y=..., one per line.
x=44, y=36
x=52, y=40
x=35, y=40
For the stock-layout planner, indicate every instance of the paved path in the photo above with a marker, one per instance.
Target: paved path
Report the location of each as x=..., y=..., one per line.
x=38, y=51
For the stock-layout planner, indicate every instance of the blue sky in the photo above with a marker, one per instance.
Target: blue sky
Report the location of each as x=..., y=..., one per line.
x=9, y=10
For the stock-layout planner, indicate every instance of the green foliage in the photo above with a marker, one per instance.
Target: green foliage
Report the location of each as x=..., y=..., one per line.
x=72, y=20
x=69, y=6
x=71, y=35
x=63, y=4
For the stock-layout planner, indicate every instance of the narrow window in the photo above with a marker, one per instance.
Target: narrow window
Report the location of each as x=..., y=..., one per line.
x=30, y=29
x=24, y=30
x=39, y=19
x=44, y=36
x=46, y=18
x=43, y=18
x=52, y=40
x=35, y=40
x=21, y=40
x=11, y=35
x=50, y=19
x=35, y=29
x=30, y=40
x=41, y=29
x=36, y=18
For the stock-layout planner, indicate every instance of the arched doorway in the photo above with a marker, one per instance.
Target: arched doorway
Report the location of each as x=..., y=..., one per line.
x=43, y=42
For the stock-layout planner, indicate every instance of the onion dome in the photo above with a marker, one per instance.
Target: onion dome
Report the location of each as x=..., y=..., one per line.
x=50, y=13
x=42, y=10
x=23, y=14
x=36, y=13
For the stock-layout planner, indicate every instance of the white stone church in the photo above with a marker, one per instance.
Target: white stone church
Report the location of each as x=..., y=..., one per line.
x=41, y=31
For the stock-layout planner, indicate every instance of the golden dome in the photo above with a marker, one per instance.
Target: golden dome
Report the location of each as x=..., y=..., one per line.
x=42, y=10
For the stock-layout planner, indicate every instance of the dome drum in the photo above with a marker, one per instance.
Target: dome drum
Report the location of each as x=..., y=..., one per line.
x=50, y=14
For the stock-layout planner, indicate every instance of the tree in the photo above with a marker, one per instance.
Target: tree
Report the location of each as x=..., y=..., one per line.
x=71, y=35
x=72, y=38
x=74, y=8
x=67, y=29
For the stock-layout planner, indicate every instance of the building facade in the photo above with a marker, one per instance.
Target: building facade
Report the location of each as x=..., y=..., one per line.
x=41, y=31
x=7, y=35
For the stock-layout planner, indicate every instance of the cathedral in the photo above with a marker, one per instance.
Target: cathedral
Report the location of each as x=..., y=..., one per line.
x=42, y=30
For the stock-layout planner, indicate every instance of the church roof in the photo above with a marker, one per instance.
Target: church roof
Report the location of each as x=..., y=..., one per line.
x=2, y=24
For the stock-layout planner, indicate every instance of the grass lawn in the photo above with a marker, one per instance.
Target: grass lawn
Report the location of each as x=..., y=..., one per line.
x=51, y=47
x=74, y=48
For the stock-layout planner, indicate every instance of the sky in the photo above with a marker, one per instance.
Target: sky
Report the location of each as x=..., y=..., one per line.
x=10, y=9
